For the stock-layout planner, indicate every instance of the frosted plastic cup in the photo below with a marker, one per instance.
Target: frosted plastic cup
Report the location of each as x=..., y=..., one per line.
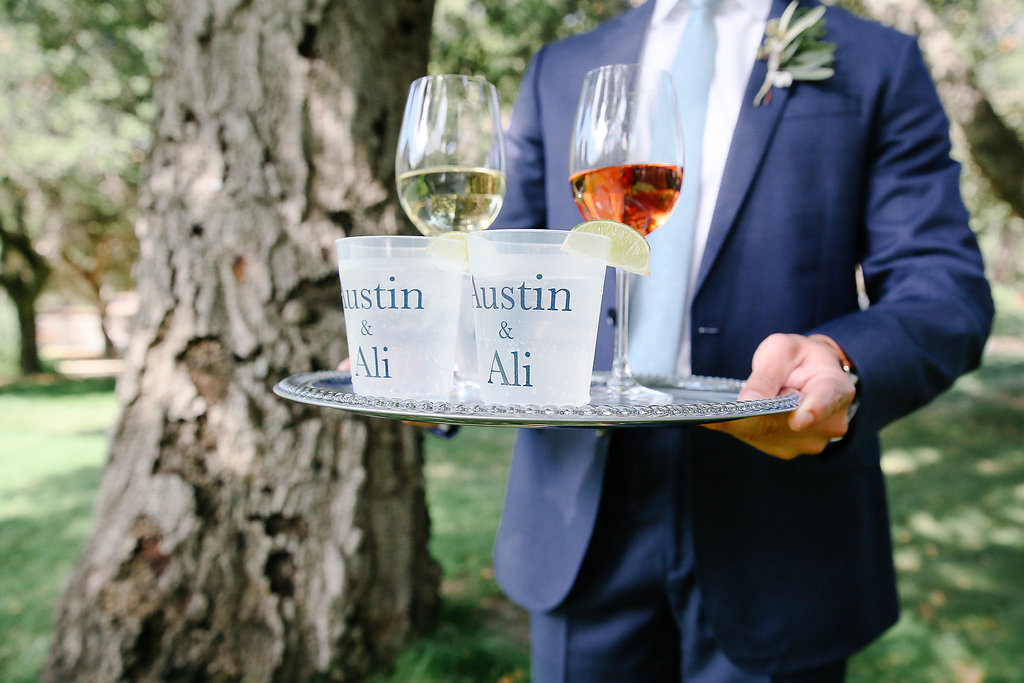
x=401, y=316
x=535, y=310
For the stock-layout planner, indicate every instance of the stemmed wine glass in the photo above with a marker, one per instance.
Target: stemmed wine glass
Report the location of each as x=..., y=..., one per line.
x=450, y=165
x=626, y=164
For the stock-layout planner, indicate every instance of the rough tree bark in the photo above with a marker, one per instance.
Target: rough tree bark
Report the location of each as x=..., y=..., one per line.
x=994, y=145
x=239, y=536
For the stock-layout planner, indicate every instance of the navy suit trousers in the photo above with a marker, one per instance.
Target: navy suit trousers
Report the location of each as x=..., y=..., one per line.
x=635, y=613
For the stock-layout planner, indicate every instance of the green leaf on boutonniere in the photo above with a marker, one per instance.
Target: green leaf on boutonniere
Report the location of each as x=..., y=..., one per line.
x=812, y=66
x=794, y=50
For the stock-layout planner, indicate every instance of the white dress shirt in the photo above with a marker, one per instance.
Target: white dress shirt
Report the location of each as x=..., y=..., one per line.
x=739, y=25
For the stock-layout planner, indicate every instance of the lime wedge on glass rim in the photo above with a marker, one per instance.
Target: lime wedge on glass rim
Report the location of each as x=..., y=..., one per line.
x=451, y=250
x=629, y=249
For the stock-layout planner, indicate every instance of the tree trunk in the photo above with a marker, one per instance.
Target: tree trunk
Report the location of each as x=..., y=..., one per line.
x=110, y=349
x=92, y=276
x=23, y=274
x=994, y=145
x=29, y=362
x=239, y=536
x=99, y=300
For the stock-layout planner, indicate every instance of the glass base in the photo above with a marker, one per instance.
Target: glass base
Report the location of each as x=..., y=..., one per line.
x=625, y=392
x=465, y=390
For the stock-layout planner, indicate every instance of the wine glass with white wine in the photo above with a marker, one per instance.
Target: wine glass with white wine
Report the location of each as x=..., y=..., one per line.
x=450, y=166
x=450, y=163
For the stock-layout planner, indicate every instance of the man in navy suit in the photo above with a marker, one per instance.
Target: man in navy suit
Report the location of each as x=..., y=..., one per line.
x=758, y=550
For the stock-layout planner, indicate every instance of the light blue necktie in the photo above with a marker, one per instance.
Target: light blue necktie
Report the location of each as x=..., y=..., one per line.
x=662, y=300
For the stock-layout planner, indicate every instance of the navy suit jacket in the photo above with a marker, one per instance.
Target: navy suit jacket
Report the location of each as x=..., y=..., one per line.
x=793, y=557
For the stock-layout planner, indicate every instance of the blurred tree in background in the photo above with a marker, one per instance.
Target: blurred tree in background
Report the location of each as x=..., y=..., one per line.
x=497, y=38
x=23, y=270
x=973, y=50
x=76, y=108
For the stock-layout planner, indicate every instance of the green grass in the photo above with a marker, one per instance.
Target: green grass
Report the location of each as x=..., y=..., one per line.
x=52, y=445
x=482, y=637
x=956, y=483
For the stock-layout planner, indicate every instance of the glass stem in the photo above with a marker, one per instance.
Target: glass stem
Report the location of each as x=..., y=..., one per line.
x=621, y=377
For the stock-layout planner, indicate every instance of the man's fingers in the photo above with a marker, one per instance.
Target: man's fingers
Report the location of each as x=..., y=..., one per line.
x=764, y=433
x=770, y=367
x=823, y=397
x=784, y=363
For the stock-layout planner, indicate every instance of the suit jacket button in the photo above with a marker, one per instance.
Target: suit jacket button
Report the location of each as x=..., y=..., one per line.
x=706, y=329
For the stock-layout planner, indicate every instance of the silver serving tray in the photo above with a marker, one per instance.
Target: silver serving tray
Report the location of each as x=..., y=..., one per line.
x=695, y=400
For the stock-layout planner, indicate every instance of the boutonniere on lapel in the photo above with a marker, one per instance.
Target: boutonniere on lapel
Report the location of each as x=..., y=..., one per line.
x=794, y=50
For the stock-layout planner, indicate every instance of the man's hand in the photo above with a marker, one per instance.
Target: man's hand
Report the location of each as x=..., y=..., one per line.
x=786, y=363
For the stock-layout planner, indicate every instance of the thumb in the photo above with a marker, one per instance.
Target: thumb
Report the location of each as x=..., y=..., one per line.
x=758, y=386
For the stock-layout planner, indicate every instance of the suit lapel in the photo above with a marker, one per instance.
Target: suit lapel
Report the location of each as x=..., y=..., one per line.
x=754, y=129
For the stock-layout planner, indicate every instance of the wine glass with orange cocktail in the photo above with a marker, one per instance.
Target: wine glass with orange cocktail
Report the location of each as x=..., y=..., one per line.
x=626, y=165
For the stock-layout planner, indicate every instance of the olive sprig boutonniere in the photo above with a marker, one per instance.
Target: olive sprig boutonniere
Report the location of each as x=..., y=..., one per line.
x=794, y=50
